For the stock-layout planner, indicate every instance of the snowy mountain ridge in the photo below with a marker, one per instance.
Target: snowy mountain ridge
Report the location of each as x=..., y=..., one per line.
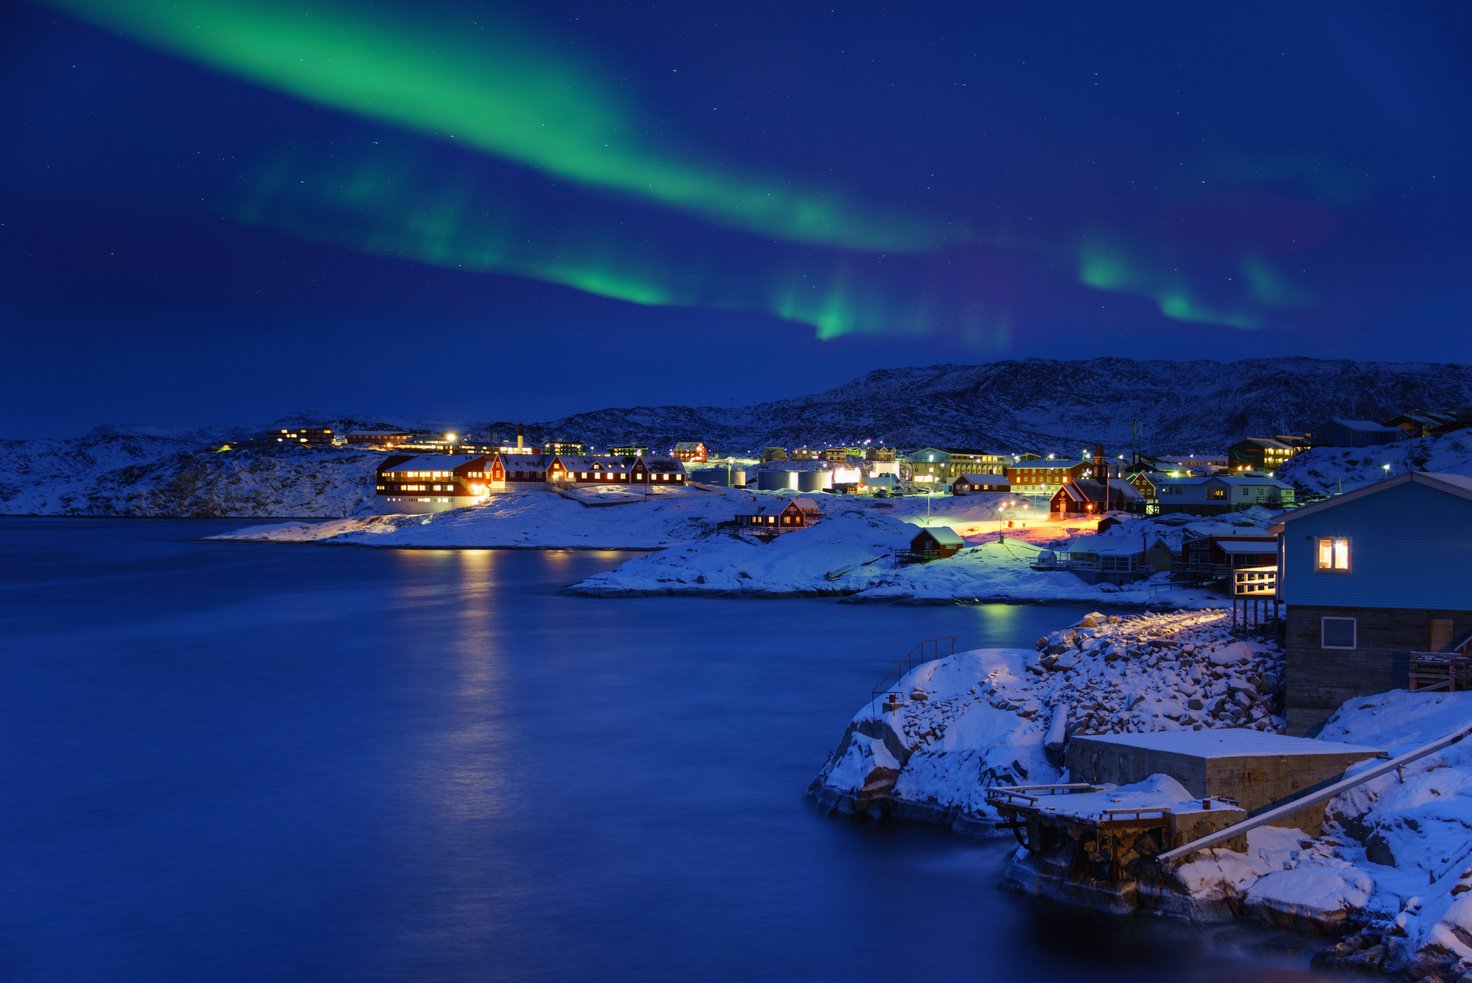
x=1040, y=404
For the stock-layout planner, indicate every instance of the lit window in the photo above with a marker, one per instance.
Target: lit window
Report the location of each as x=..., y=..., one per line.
x=1337, y=633
x=1332, y=554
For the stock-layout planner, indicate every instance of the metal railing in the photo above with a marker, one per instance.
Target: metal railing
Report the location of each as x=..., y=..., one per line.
x=927, y=651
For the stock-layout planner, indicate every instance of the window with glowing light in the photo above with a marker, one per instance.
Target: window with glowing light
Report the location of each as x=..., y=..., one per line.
x=1331, y=554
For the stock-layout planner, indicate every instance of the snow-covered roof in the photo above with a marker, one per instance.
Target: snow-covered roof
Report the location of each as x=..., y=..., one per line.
x=435, y=462
x=882, y=481
x=1107, y=545
x=664, y=464
x=1044, y=464
x=524, y=462
x=1228, y=742
x=807, y=503
x=944, y=535
x=1369, y=425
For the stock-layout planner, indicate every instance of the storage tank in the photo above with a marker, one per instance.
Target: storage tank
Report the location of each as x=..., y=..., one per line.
x=774, y=480
x=709, y=476
x=738, y=477
x=812, y=481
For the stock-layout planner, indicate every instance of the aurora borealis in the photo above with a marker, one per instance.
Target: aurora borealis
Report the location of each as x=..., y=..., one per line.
x=781, y=197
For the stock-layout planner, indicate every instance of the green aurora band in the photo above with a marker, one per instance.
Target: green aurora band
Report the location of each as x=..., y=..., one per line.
x=1108, y=266
x=383, y=205
x=509, y=95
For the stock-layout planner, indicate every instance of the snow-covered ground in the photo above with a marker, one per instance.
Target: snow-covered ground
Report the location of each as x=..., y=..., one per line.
x=1329, y=470
x=526, y=519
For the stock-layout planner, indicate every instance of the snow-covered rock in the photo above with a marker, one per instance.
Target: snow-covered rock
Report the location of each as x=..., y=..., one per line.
x=986, y=715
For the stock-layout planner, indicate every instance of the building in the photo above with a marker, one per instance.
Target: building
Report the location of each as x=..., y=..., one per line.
x=876, y=484
x=510, y=472
x=974, y=462
x=1339, y=432
x=969, y=484
x=565, y=447
x=1265, y=454
x=628, y=450
x=1213, y=556
x=1043, y=477
x=427, y=483
x=692, y=452
x=880, y=454
x=774, y=517
x=1085, y=496
x=1370, y=578
x=774, y=454
x=301, y=436
x=936, y=542
x=928, y=465
x=1200, y=464
x=378, y=438
x=1113, y=559
x=1222, y=493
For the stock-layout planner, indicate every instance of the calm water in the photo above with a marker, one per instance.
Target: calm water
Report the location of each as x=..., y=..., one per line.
x=231, y=761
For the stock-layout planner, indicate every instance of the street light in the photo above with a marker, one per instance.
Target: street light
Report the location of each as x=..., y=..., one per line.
x=1386, y=466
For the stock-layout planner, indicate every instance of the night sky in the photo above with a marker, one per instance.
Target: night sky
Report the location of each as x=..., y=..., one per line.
x=221, y=211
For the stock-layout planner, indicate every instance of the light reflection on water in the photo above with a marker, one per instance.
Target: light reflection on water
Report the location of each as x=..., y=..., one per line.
x=312, y=763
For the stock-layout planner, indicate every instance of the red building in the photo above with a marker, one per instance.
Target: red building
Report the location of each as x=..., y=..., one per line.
x=689, y=452
x=431, y=482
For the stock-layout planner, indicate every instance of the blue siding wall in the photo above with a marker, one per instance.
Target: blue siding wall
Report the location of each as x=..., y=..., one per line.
x=1410, y=547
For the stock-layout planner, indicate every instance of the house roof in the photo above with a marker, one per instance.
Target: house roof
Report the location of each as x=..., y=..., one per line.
x=1045, y=464
x=1459, y=485
x=807, y=503
x=1108, y=545
x=882, y=481
x=435, y=462
x=1247, y=546
x=1089, y=490
x=1250, y=479
x=944, y=535
x=689, y=445
x=1263, y=441
x=1368, y=425
x=524, y=462
x=664, y=464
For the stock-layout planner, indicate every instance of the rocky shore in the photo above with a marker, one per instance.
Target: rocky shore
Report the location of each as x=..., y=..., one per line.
x=1389, y=879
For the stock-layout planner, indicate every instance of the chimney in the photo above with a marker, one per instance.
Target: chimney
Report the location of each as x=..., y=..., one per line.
x=520, y=439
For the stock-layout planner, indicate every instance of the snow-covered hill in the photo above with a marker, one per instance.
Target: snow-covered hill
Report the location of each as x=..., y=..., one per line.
x=1330, y=470
x=112, y=472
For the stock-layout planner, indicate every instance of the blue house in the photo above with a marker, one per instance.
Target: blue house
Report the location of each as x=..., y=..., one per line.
x=1371, y=578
